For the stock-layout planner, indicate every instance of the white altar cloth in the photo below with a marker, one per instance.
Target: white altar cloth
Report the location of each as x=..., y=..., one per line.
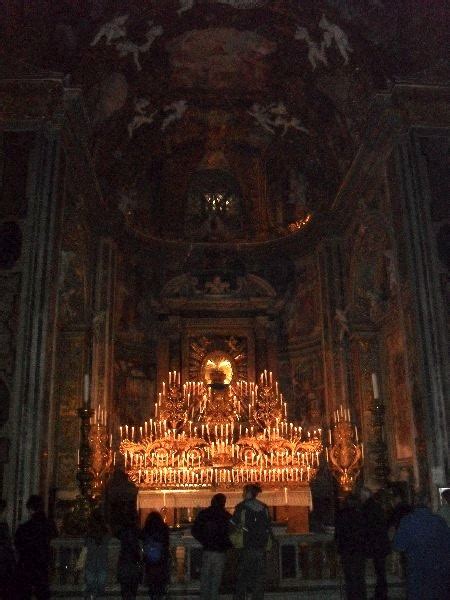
x=156, y=499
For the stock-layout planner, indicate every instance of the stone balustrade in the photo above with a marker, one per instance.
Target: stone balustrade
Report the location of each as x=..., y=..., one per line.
x=294, y=561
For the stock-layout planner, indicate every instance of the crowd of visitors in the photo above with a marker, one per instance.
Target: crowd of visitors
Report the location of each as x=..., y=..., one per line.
x=366, y=528
x=370, y=526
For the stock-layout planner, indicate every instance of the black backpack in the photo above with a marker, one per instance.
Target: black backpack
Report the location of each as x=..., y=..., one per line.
x=257, y=524
x=153, y=551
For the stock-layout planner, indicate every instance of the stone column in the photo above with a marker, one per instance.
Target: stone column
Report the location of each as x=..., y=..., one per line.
x=261, y=354
x=102, y=325
x=430, y=391
x=331, y=299
x=30, y=391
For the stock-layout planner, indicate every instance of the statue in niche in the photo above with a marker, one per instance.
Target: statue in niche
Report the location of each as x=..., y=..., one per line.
x=307, y=399
x=391, y=271
x=217, y=287
x=342, y=323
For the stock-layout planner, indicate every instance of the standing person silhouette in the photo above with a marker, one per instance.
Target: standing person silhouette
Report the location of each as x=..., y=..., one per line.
x=32, y=542
x=7, y=557
x=425, y=540
x=211, y=530
x=377, y=539
x=96, y=566
x=129, y=565
x=350, y=534
x=155, y=536
x=254, y=519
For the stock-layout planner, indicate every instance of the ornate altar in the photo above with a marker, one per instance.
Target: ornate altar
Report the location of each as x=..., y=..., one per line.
x=217, y=435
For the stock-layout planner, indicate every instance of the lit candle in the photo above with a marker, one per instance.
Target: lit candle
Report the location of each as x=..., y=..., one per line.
x=376, y=391
x=86, y=389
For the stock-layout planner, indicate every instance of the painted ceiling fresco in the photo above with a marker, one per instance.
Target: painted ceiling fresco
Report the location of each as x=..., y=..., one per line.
x=268, y=97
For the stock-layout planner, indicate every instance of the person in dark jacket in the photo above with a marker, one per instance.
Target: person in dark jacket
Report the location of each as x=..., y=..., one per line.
x=97, y=543
x=377, y=540
x=253, y=517
x=7, y=557
x=211, y=530
x=32, y=541
x=425, y=540
x=129, y=565
x=400, y=508
x=350, y=534
x=156, y=555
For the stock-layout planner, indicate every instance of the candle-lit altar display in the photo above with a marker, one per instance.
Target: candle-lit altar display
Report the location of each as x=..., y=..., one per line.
x=219, y=434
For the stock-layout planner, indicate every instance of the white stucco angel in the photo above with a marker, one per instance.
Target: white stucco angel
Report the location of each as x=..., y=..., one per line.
x=260, y=114
x=142, y=117
x=316, y=53
x=153, y=32
x=342, y=321
x=391, y=270
x=282, y=119
x=113, y=30
x=178, y=109
x=126, y=47
x=334, y=33
x=185, y=5
x=291, y=122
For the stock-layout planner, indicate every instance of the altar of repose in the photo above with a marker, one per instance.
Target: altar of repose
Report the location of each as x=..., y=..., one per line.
x=217, y=435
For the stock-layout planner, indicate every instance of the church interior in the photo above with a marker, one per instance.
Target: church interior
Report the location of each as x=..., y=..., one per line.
x=224, y=253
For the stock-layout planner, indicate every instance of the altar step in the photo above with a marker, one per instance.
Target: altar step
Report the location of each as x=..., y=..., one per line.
x=320, y=590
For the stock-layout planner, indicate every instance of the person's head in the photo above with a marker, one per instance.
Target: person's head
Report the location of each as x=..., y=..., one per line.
x=35, y=504
x=251, y=490
x=219, y=501
x=446, y=496
x=365, y=494
x=351, y=501
x=154, y=522
x=421, y=499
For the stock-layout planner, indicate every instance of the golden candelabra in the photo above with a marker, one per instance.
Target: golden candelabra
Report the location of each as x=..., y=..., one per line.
x=100, y=443
x=219, y=434
x=345, y=454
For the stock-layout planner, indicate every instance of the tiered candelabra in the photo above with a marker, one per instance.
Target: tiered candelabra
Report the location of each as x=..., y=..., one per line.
x=345, y=454
x=100, y=444
x=219, y=435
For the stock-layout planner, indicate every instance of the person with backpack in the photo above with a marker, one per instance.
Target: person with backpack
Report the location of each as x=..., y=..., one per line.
x=211, y=529
x=129, y=564
x=252, y=518
x=96, y=546
x=155, y=537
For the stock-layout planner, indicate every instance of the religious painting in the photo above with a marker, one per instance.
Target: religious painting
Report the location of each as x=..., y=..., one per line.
x=400, y=405
x=308, y=390
x=135, y=390
x=302, y=314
